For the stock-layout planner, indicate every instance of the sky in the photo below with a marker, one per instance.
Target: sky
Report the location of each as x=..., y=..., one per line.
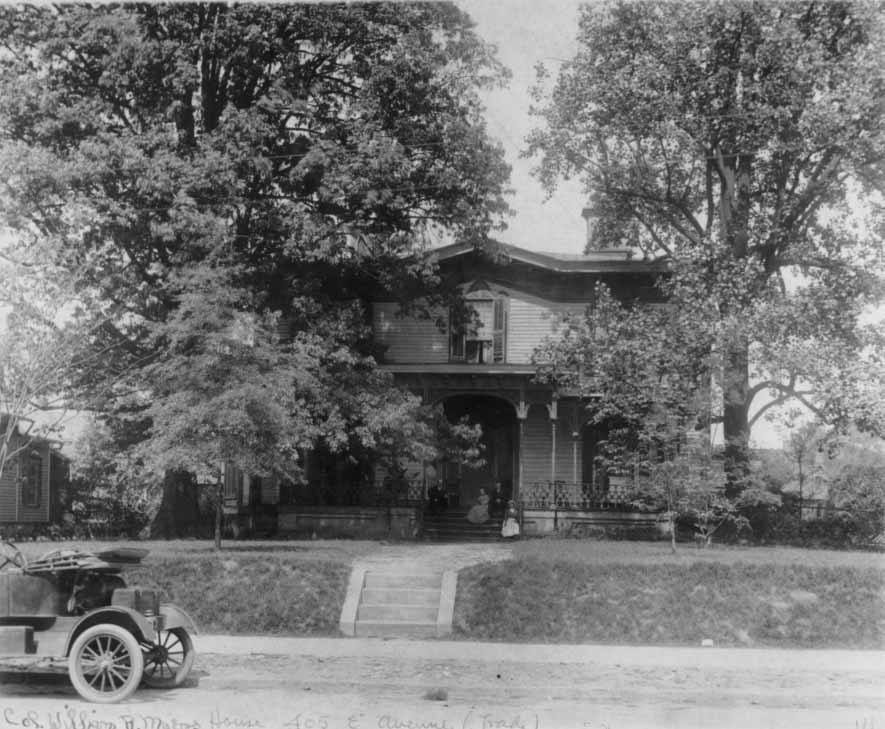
x=528, y=32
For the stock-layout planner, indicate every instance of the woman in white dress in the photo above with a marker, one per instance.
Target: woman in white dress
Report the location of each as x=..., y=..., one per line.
x=510, y=528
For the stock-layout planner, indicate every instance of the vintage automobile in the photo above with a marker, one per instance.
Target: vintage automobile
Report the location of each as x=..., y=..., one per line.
x=71, y=611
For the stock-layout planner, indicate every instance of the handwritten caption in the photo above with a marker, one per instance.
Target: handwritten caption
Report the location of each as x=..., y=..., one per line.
x=70, y=717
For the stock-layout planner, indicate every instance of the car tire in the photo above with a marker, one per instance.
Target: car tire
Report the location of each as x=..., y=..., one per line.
x=169, y=661
x=105, y=664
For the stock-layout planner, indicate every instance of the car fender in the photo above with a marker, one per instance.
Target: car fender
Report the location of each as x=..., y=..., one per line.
x=175, y=617
x=142, y=627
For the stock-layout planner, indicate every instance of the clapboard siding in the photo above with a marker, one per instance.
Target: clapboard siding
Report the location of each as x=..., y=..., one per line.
x=11, y=508
x=408, y=339
x=537, y=446
x=532, y=320
x=8, y=480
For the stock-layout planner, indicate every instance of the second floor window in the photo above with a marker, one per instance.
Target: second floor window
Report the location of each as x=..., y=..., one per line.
x=484, y=339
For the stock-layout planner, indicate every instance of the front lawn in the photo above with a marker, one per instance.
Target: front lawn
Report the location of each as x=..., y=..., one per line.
x=557, y=591
x=276, y=588
x=552, y=590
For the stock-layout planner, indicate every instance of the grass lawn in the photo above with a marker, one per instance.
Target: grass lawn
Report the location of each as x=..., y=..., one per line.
x=552, y=590
x=277, y=588
x=565, y=591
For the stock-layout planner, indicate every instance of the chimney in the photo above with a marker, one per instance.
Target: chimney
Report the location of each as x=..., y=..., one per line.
x=587, y=214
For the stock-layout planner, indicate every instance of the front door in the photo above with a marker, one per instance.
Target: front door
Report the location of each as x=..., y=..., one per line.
x=497, y=419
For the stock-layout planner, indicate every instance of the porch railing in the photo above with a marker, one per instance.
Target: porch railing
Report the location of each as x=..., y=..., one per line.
x=575, y=496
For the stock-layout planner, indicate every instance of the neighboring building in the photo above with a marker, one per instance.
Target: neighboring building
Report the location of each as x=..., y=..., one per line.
x=31, y=483
x=539, y=444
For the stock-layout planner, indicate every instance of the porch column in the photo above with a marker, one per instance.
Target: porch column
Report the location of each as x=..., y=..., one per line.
x=576, y=435
x=522, y=412
x=552, y=412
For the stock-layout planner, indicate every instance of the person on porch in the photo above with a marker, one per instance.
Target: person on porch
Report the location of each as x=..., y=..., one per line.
x=510, y=528
x=479, y=512
x=437, y=498
x=499, y=501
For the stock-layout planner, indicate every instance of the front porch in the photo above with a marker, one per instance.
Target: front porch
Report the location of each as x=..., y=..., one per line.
x=409, y=513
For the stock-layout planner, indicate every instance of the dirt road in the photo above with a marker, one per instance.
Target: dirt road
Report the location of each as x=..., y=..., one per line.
x=341, y=684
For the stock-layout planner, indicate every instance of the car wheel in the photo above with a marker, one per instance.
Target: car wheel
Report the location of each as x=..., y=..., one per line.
x=105, y=664
x=168, y=661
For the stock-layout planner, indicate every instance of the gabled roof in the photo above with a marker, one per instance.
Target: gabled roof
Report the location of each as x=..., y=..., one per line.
x=609, y=259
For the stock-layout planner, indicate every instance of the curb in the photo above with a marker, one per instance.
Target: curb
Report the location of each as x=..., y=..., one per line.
x=347, y=621
x=446, y=603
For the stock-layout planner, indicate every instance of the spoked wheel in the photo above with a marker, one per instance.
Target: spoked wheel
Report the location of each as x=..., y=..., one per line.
x=10, y=555
x=105, y=664
x=168, y=661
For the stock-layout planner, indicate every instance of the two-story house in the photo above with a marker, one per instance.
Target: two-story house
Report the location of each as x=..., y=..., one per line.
x=539, y=445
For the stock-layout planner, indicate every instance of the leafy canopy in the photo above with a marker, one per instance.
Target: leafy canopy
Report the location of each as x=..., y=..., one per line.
x=743, y=141
x=232, y=182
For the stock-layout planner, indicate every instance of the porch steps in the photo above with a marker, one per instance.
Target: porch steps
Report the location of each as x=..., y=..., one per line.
x=392, y=603
x=454, y=527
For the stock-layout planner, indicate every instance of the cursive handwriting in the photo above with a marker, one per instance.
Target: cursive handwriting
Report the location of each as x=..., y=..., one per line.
x=71, y=717
x=390, y=721
x=308, y=721
x=217, y=720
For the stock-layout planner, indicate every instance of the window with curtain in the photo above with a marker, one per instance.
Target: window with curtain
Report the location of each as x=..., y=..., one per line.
x=484, y=339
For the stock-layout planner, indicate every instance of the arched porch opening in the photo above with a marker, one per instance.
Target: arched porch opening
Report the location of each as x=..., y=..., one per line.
x=497, y=418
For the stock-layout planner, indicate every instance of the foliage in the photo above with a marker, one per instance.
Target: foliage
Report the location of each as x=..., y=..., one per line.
x=855, y=476
x=648, y=371
x=42, y=336
x=231, y=184
x=771, y=468
x=830, y=531
x=107, y=488
x=743, y=141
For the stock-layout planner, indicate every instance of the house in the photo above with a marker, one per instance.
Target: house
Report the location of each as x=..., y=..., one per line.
x=539, y=444
x=31, y=482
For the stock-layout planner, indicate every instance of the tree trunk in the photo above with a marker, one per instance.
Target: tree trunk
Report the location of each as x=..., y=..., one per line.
x=179, y=512
x=219, y=512
x=736, y=429
x=735, y=212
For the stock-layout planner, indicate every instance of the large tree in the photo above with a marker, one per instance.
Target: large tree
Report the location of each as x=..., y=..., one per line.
x=743, y=141
x=233, y=181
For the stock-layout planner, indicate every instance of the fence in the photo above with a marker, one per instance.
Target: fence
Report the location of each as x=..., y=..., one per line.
x=576, y=496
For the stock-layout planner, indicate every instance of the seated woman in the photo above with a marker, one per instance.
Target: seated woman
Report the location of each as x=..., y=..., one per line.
x=479, y=512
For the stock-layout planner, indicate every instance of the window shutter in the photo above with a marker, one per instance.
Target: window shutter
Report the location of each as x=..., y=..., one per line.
x=499, y=330
x=456, y=339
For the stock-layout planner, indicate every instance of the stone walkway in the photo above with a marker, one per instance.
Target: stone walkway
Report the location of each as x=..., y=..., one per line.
x=432, y=558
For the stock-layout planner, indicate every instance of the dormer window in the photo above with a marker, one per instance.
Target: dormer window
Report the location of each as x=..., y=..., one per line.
x=483, y=340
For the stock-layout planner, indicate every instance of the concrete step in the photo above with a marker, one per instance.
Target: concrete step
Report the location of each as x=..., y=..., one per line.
x=452, y=534
x=400, y=613
x=398, y=596
x=399, y=628
x=401, y=581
